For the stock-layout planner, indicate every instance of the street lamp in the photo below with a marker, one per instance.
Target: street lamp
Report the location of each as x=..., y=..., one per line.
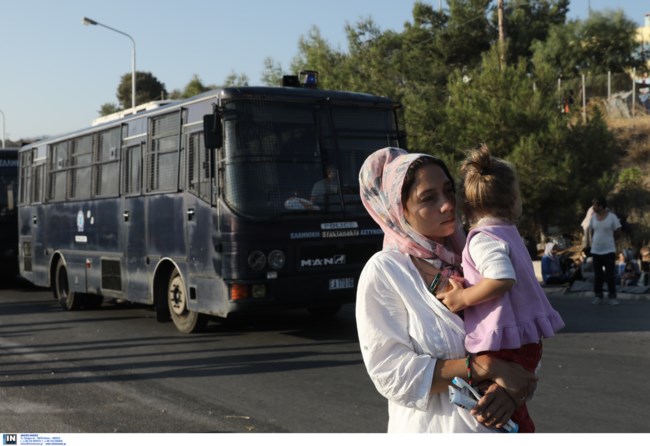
x=3, y=128
x=87, y=21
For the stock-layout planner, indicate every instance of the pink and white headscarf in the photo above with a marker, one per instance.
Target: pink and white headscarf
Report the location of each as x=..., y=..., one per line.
x=380, y=180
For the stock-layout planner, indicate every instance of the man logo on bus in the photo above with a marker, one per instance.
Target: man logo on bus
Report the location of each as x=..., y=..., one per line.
x=80, y=221
x=337, y=259
x=10, y=439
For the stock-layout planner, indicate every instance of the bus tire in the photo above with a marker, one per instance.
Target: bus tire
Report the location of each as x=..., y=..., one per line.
x=185, y=320
x=69, y=300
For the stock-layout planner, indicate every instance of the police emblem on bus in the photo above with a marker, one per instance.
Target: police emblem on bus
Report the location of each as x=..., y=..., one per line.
x=80, y=221
x=337, y=259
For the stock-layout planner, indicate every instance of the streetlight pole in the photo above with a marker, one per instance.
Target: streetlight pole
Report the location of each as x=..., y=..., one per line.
x=87, y=21
x=3, y=128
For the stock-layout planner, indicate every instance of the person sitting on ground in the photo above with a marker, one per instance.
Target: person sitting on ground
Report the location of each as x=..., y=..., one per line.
x=552, y=271
x=631, y=271
x=644, y=253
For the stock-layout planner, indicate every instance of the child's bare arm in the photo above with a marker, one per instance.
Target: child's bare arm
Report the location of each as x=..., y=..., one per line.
x=458, y=298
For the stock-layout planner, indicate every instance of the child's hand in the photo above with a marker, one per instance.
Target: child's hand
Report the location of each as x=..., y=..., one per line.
x=453, y=298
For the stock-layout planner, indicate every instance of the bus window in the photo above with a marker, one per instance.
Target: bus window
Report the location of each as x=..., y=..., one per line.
x=106, y=164
x=272, y=159
x=58, y=174
x=80, y=161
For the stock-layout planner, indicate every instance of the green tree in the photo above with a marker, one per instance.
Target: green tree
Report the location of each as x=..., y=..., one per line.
x=315, y=53
x=272, y=74
x=236, y=80
x=108, y=108
x=148, y=88
x=516, y=115
x=527, y=21
x=606, y=41
x=195, y=86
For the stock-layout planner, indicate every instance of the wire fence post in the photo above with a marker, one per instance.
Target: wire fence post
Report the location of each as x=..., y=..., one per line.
x=633, y=91
x=584, y=100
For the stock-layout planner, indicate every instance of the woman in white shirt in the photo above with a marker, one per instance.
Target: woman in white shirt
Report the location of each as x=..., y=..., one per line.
x=412, y=345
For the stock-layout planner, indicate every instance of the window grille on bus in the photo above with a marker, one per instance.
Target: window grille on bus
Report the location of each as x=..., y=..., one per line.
x=26, y=159
x=107, y=163
x=80, y=166
x=58, y=172
x=198, y=166
x=132, y=169
x=162, y=153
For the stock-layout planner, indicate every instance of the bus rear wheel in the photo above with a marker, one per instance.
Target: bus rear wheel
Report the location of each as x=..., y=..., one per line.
x=69, y=300
x=185, y=320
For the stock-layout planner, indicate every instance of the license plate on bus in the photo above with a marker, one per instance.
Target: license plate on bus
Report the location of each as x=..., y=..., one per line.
x=341, y=284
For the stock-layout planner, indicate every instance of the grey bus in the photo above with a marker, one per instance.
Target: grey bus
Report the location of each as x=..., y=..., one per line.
x=204, y=207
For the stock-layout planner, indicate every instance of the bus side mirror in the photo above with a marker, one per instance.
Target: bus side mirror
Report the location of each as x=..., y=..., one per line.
x=212, y=131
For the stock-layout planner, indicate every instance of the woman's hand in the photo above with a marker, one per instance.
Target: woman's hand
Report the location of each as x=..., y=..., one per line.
x=516, y=381
x=495, y=408
x=453, y=298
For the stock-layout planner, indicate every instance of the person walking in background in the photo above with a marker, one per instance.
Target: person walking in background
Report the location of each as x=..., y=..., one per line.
x=586, y=233
x=505, y=309
x=604, y=227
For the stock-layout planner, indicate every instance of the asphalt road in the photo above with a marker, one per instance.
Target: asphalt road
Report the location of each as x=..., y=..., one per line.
x=593, y=376
x=117, y=370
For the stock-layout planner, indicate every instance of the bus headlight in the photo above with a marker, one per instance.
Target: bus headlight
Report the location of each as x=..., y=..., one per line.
x=256, y=260
x=277, y=259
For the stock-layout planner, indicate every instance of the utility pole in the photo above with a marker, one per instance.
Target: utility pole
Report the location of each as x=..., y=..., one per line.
x=502, y=33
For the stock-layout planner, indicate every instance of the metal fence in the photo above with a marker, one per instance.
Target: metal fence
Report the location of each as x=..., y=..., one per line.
x=623, y=95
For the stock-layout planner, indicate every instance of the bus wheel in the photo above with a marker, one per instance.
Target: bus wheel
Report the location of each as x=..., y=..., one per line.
x=186, y=321
x=69, y=300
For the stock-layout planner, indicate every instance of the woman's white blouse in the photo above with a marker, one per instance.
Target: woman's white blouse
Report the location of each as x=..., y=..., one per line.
x=403, y=329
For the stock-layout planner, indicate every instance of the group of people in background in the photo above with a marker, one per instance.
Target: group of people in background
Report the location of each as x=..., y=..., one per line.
x=598, y=262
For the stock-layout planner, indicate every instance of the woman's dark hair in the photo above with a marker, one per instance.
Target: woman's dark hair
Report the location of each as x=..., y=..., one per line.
x=416, y=165
x=600, y=201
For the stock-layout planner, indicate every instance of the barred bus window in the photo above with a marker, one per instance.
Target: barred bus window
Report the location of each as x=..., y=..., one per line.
x=80, y=166
x=58, y=171
x=37, y=190
x=106, y=163
x=162, y=153
x=198, y=167
x=25, y=176
x=132, y=173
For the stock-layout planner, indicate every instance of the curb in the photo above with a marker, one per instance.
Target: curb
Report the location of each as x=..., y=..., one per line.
x=564, y=291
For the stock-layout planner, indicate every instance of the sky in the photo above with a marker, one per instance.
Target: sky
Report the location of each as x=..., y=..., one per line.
x=55, y=72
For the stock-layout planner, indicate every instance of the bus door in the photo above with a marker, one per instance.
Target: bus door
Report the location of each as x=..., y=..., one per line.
x=201, y=227
x=133, y=221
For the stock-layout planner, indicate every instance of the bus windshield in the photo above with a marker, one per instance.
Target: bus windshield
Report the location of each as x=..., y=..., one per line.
x=283, y=159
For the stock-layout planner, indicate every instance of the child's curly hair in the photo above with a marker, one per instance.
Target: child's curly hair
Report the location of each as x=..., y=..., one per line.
x=489, y=186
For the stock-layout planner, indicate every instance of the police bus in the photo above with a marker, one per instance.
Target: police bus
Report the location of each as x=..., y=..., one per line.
x=205, y=206
x=8, y=213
